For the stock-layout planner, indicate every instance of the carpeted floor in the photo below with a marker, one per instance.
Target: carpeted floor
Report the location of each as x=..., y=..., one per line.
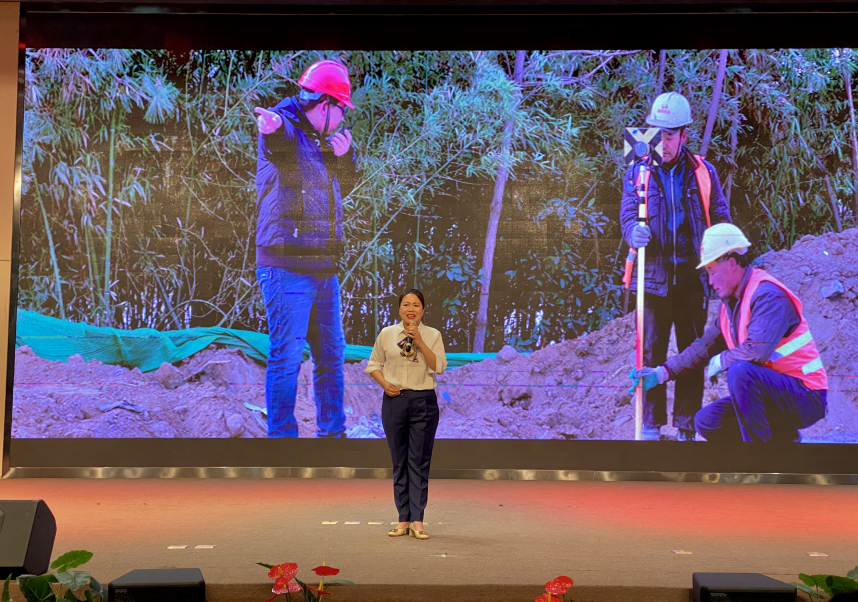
x=490, y=540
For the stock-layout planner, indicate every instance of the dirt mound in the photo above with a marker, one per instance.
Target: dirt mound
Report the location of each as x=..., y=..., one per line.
x=823, y=272
x=215, y=393
x=572, y=390
x=90, y=399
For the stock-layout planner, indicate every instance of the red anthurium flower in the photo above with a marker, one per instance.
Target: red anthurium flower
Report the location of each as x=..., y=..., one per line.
x=287, y=571
x=282, y=586
x=325, y=571
x=321, y=592
x=271, y=598
x=559, y=586
x=542, y=598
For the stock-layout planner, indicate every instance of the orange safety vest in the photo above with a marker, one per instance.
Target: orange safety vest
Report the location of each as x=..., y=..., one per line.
x=704, y=185
x=796, y=354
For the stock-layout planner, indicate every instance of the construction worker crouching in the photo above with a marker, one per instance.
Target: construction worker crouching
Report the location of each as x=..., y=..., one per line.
x=683, y=197
x=775, y=377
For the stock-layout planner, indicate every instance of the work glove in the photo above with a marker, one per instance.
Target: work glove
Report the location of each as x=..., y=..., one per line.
x=652, y=377
x=267, y=121
x=641, y=234
x=714, y=367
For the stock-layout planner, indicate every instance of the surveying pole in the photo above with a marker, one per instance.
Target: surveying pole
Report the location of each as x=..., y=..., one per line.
x=641, y=187
x=646, y=144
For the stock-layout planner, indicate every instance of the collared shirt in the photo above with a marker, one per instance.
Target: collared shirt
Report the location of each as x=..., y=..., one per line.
x=407, y=371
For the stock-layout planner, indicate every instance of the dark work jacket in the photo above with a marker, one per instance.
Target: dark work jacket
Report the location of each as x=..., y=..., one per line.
x=300, y=194
x=659, y=269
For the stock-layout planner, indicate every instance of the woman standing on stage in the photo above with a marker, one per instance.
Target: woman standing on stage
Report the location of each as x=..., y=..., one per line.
x=411, y=354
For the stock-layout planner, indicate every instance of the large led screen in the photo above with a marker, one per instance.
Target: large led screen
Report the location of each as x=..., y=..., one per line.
x=211, y=237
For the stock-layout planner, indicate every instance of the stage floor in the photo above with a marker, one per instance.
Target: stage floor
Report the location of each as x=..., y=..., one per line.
x=492, y=540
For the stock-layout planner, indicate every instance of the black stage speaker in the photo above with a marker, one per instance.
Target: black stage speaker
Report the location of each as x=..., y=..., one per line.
x=158, y=585
x=27, y=532
x=740, y=587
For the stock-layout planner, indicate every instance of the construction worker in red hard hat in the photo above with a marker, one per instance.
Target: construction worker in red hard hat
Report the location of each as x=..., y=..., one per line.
x=305, y=166
x=775, y=377
x=684, y=197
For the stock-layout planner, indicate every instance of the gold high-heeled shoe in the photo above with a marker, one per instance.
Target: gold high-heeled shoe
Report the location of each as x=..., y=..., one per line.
x=419, y=534
x=399, y=532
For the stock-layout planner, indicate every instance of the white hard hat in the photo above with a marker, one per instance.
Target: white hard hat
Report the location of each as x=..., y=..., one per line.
x=670, y=111
x=719, y=240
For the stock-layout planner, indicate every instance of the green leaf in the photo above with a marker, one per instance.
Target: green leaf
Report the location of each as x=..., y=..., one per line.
x=853, y=574
x=96, y=588
x=807, y=589
x=267, y=566
x=71, y=560
x=6, y=597
x=75, y=580
x=813, y=580
x=308, y=595
x=838, y=585
x=37, y=588
x=65, y=578
x=340, y=582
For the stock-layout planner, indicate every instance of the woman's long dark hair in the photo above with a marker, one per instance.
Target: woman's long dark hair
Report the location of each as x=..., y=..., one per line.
x=416, y=293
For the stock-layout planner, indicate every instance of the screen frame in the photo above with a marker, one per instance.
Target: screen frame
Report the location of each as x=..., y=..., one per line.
x=184, y=26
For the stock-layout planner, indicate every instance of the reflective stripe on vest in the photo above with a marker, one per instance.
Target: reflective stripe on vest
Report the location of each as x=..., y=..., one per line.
x=796, y=354
x=704, y=184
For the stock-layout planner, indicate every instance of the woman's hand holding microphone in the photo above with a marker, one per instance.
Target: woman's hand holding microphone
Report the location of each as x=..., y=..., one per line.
x=413, y=332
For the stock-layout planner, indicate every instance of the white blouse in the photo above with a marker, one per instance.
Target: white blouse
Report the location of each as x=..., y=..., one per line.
x=407, y=371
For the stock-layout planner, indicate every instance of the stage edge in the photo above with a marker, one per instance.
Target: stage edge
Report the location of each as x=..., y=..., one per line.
x=226, y=472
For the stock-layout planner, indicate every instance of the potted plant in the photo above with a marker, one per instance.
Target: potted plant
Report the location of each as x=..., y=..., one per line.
x=283, y=574
x=65, y=584
x=831, y=585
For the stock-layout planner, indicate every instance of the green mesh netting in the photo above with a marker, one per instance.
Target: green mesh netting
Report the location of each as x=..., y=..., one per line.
x=145, y=348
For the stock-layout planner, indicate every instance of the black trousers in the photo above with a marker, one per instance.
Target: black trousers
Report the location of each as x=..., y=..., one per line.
x=410, y=421
x=683, y=308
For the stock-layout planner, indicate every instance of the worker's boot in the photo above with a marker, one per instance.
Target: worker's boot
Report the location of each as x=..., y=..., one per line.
x=650, y=433
x=685, y=435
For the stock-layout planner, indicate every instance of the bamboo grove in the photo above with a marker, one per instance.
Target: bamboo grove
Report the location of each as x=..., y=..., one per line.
x=483, y=175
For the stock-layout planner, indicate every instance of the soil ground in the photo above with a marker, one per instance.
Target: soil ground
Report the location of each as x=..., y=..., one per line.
x=575, y=389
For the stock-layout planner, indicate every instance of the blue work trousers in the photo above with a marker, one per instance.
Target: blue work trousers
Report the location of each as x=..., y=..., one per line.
x=763, y=405
x=303, y=308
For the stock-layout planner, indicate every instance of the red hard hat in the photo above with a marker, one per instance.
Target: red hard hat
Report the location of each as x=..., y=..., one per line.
x=328, y=77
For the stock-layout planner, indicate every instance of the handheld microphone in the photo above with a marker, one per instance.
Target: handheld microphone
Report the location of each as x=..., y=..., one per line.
x=409, y=340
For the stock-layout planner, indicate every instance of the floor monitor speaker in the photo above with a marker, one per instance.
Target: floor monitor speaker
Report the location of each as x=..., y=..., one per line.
x=27, y=532
x=740, y=587
x=158, y=585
